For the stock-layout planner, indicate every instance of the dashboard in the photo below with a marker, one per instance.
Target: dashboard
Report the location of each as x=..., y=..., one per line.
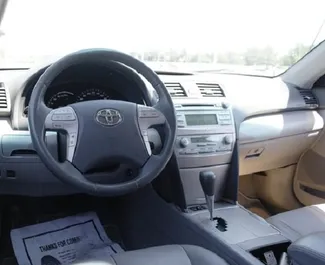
x=262, y=118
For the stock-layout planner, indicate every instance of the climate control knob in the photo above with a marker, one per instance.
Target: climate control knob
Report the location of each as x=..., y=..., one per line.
x=225, y=105
x=227, y=139
x=183, y=142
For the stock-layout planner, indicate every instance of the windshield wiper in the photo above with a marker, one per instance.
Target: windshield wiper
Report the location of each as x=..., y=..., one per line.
x=221, y=71
x=234, y=72
x=160, y=72
x=318, y=32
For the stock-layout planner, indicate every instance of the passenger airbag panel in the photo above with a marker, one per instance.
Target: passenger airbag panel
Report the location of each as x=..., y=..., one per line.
x=274, y=126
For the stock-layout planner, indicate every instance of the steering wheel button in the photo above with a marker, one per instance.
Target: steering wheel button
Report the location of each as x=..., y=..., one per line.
x=57, y=125
x=63, y=117
x=69, y=117
x=72, y=139
x=56, y=117
x=60, y=111
x=154, y=114
x=147, y=144
x=142, y=114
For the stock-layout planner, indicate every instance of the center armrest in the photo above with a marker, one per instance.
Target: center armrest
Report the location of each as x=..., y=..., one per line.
x=308, y=250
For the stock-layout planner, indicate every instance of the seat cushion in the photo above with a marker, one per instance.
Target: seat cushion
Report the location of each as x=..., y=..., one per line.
x=300, y=222
x=162, y=255
x=308, y=250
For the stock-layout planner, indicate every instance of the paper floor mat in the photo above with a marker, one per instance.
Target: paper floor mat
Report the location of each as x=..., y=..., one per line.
x=63, y=241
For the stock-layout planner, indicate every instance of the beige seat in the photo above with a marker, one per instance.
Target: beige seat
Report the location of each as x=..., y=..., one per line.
x=300, y=222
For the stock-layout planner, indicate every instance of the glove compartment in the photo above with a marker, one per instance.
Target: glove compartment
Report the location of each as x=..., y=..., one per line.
x=273, y=141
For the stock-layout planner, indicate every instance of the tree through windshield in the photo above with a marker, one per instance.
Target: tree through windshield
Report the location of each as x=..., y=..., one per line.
x=235, y=36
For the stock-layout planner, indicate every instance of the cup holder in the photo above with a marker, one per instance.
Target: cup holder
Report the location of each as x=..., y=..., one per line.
x=221, y=224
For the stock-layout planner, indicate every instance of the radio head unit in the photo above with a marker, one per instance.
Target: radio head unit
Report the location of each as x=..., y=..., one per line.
x=205, y=129
x=211, y=115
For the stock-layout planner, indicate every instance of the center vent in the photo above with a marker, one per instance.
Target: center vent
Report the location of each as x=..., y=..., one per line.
x=210, y=90
x=309, y=97
x=175, y=90
x=3, y=97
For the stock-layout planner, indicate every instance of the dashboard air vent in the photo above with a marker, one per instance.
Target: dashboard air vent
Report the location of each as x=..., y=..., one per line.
x=309, y=97
x=175, y=90
x=210, y=90
x=3, y=97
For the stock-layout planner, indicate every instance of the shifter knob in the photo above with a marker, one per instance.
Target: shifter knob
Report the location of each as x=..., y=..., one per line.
x=208, y=181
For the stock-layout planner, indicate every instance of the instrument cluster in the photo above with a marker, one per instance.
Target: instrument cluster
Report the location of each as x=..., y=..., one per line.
x=64, y=94
x=66, y=97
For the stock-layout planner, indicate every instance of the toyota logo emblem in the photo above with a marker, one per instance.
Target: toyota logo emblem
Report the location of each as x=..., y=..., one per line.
x=108, y=117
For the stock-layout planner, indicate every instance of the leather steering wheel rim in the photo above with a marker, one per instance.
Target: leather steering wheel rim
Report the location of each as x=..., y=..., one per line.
x=41, y=118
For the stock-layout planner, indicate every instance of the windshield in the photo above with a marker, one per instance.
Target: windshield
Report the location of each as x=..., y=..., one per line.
x=234, y=36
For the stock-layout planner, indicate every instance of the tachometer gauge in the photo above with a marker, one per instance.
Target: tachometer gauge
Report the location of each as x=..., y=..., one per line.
x=61, y=99
x=92, y=94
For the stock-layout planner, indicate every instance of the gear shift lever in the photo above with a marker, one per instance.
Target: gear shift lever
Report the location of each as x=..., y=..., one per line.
x=208, y=182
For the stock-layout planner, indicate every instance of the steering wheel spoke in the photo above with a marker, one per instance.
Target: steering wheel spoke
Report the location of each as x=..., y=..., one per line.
x=64, y=119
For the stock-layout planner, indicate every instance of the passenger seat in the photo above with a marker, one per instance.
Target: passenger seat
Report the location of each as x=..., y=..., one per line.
x=300, y=222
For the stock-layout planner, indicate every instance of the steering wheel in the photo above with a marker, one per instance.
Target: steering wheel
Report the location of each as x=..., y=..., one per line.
x=103, y=130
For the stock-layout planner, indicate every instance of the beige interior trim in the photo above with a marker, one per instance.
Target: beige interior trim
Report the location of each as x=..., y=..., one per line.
x=253, y=205
x=275, y=188
x=310, y=170
x=275, y=153
x=246, y=186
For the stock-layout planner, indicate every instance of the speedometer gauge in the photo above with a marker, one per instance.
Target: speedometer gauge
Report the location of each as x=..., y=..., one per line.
x=92, y=94
x=61, y=99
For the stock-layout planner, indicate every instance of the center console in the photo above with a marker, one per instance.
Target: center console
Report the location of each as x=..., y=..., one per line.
x=205, y=141
x=205, y=151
